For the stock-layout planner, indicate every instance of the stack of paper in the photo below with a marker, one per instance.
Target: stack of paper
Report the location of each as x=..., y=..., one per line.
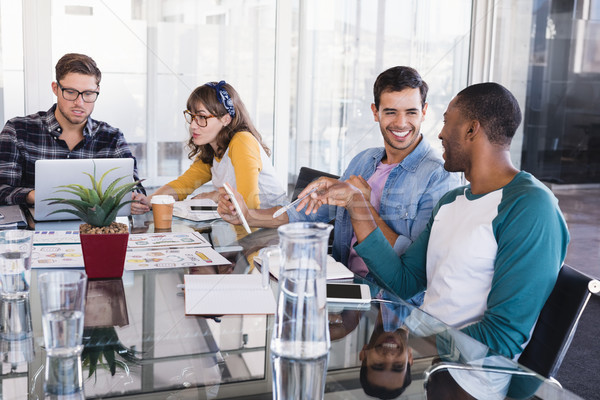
x=61, y=249
x=335, y=270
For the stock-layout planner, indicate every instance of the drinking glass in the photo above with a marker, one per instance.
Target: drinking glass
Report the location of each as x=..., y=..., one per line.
x=15, y=263
x=62, y=298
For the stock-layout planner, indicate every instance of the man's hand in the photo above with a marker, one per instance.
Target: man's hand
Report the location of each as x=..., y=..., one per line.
x=362, y=185
x=333, y=192
x=140, y=205
x=226, y=209
x=30, y=199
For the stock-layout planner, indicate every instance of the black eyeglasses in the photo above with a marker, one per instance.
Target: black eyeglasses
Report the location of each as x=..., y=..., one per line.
x=88, y=96
x=201, y=120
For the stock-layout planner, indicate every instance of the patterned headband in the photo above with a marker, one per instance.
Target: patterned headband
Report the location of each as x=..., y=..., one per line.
x=223, y=97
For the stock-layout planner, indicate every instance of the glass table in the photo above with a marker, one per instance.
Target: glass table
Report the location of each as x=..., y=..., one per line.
x=140, y=344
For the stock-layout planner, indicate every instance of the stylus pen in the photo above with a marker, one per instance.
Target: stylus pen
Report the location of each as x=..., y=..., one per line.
x=293, y=203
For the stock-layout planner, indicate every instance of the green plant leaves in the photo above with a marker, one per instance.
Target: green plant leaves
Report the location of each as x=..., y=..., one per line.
x=94, y=206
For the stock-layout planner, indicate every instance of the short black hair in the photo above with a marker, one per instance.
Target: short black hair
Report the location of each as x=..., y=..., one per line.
x=381, y=392
x=397, y=79
x=494, y=106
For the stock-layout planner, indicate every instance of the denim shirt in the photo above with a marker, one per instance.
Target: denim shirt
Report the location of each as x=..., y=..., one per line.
x=413, y=187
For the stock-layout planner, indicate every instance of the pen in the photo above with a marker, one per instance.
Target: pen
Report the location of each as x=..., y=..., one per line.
x=293, y=203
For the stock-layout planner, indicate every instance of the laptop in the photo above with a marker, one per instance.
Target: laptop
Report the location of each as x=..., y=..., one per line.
x=49, y=174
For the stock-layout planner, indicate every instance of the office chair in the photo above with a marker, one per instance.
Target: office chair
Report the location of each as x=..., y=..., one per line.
x=551, y=336
x=558, y=321
x=306, y=176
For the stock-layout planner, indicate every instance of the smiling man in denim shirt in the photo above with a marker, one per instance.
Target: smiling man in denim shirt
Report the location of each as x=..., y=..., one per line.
x=402, y=180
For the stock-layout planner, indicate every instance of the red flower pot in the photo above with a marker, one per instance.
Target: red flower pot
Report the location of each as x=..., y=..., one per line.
x=104, y=254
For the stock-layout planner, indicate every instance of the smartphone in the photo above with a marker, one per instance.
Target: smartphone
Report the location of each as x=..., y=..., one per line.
x=348, y=293
x=203, y=208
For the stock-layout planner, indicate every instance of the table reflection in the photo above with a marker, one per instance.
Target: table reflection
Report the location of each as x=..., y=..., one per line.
x=145, y=346
x=16, y=332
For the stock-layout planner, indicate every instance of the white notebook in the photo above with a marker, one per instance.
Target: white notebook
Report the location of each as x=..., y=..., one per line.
x=227, y=294
x=335, y=270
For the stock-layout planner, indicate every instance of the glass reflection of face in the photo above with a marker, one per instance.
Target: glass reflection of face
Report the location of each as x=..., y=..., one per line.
x=386, y=359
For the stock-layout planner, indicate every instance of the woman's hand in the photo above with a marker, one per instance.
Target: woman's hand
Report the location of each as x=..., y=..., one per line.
x=214, y=196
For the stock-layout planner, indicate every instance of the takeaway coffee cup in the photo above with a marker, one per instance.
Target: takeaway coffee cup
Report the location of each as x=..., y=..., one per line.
x=162, y=209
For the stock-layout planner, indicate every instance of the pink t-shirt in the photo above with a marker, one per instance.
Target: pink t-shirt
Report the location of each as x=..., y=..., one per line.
x=377, y=182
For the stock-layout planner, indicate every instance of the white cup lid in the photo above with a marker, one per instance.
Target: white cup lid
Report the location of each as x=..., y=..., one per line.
x=162, y=199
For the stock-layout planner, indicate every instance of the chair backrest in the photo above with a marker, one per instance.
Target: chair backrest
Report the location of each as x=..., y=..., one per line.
x=557, y=322
x=306, y=176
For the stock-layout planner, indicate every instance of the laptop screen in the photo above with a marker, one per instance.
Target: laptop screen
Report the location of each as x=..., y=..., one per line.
x=50, y=174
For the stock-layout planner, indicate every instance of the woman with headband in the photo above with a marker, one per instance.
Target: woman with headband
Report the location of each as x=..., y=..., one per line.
x=225, y=147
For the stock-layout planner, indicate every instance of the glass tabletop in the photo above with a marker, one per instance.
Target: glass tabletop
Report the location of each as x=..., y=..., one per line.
x=140, y=344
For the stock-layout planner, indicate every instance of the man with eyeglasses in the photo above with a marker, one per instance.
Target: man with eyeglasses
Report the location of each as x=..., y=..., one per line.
x=64, y=131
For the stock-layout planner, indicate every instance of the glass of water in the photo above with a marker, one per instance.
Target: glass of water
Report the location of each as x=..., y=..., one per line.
x=15, y=263
x=62, y=298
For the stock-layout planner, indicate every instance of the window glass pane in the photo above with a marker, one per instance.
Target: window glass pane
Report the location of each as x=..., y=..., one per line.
x=153, y=54
x=12, y=91
x=343, y=46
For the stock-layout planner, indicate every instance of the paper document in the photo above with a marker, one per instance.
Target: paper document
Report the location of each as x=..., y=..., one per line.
x=56, y=237
x=196, y=209
x=335, y=270
x=57, y=256
x=172, y=257
x=227, y=294
x=166, y=239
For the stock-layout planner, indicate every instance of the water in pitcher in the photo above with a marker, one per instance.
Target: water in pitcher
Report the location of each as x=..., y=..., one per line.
x=298, y=379
x=302, y=331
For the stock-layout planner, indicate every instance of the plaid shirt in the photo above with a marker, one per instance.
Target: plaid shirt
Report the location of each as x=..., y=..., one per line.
x=34, y=137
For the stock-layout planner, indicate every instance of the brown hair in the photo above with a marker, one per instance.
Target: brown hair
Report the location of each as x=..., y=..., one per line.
x=396, y=79
x=207, y=95
x=78, y=64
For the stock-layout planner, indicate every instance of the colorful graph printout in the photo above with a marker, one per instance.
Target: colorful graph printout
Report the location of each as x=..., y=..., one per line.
x=166, y=239
x=57, y=256
x=166, y=258
x=55, y=237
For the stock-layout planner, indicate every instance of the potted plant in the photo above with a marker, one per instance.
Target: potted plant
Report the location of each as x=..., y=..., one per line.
x=103, y=241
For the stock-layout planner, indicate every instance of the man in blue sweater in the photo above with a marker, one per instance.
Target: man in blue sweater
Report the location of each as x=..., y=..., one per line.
x=401, y=181
x=490, y=253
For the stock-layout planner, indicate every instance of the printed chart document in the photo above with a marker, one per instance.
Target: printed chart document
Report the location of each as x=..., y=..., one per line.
x=167, y=257
x=227, y=294
x=335, y=270
x=196, y=209
x=56, y=237
x=57, y=256
x=166, y=239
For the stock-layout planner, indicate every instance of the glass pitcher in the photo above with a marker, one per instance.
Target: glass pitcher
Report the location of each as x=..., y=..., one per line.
x=301, y=328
